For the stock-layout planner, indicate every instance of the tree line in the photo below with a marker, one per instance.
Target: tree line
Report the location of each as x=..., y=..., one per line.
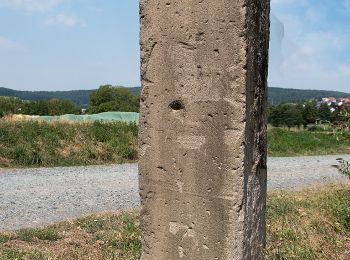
x=303, y=114
x=52, y=107
x=105, y=99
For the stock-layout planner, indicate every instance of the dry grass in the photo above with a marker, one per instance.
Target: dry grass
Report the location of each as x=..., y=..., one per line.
x=308, y=224
x=103, y=236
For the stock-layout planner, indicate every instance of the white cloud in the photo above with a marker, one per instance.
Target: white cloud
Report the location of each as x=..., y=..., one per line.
x=65, y=20
x=6, y=43
x=314, y=50
x=31, y=5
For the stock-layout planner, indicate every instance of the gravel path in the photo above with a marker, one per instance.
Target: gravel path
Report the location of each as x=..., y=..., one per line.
x=34, y=197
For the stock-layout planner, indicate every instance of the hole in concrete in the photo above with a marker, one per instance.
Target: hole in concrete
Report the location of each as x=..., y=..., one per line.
x=177, y=105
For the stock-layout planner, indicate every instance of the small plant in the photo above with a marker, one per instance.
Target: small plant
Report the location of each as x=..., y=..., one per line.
x=344, y=167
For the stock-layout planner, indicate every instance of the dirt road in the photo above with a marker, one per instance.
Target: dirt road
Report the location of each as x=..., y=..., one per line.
x=35, y=197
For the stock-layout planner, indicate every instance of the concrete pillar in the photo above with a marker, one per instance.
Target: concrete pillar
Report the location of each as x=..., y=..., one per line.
x=203, y=128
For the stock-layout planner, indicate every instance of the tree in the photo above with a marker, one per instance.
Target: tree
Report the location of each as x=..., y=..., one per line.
x=310, y=113
x=288, y=115
x=10, y=105
x=108, y=98
x=57, y=107
x=324, y=112
x=275, y=116
x=52, y=107
x=103, y=95
x=292, y=116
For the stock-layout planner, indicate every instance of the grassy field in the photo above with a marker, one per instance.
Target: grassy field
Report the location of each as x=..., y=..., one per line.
x=26, y=143
x=284, y=142
x=35, y=144
x=309, y=224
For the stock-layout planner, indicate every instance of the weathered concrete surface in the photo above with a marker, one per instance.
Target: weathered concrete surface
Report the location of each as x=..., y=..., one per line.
x=202, y=128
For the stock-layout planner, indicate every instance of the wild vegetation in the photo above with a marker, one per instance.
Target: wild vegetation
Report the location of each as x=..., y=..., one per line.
x=59, y=143
x=297, y=142
x=80, y=97
x=52, y=107
x=303, y=114
x=108, y=98
x=36, y=144
x=309, y=224
x=103, y=236
x=344, y=167
x=305, y=225
x=105, y=99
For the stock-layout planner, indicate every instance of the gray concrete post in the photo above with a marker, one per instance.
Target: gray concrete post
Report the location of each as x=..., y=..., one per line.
x=203, y=128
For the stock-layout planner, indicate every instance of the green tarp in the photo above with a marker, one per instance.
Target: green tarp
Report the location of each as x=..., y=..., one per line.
x=129, y=117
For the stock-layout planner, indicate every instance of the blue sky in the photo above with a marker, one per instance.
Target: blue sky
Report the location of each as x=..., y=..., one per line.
x=81, y=44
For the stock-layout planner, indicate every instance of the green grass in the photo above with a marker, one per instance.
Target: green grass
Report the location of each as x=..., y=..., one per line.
x=284, y=142
x=29, y=235
x=308, y=224
x=17, y=254
x=4, y=238
x=37, y=144
x=118, y=233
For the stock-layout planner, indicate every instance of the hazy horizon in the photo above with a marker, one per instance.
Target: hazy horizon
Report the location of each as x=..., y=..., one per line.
x=58, y=45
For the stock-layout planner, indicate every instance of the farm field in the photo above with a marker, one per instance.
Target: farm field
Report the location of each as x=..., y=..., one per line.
x=308, y=224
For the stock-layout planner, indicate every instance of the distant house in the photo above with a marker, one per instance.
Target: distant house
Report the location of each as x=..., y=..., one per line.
x=329, y=100
x=345, y=100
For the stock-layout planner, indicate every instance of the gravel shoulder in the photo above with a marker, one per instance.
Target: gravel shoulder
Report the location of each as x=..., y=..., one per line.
x=36, y=197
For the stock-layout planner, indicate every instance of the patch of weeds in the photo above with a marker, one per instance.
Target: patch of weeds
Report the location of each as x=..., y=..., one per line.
x=338, y=205
x=282, y=205
x=284, y=142
x=4, y=238
x=93, y=225
x=42, y=144
x=291, y=251
x=309, y=224
x=119, y=235
x=49, y=234
x=127, y=151
x=16, y=254
x=284, y=234
x=344, y=167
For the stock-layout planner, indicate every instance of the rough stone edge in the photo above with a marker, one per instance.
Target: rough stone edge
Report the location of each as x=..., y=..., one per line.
x=255, y=168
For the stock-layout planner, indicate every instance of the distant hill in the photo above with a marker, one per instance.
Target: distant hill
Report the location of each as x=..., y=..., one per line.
x=278, y=95
x=81, y=97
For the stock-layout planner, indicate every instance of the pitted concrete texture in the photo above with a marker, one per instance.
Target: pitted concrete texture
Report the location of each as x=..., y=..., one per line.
x=202, y=128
